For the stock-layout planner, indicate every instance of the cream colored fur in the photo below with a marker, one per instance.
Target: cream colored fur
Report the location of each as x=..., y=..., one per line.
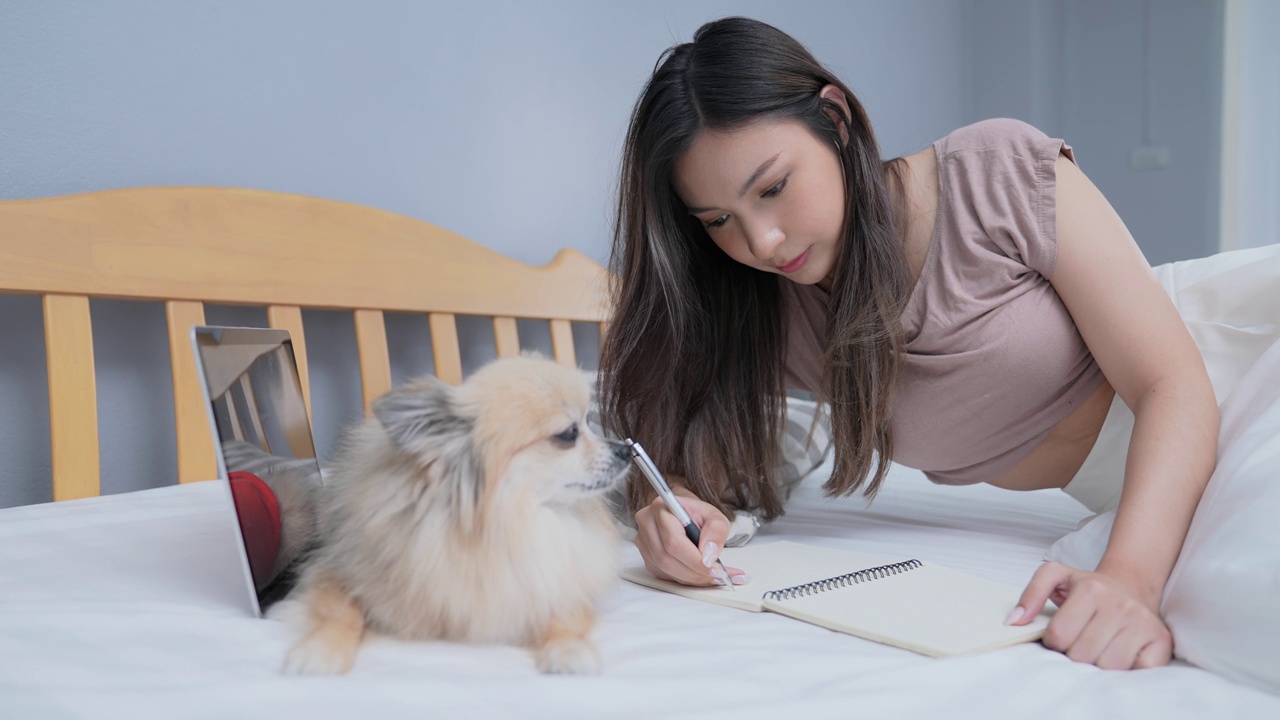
x=465, y=514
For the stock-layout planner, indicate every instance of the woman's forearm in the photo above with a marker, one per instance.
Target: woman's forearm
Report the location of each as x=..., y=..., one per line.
x=1171, y=455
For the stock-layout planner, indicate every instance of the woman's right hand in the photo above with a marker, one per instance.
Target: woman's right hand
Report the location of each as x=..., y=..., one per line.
x=667, y=551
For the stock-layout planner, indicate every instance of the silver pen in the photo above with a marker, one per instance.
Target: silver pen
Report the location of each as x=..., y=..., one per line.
x=664, y=491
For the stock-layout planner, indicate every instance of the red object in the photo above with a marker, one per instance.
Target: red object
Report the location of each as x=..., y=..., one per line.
x=259, y=516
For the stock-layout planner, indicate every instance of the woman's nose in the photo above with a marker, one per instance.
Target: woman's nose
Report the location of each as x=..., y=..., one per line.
x=763, y=242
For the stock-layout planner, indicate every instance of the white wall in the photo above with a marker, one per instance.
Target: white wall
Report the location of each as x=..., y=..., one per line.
x=1251, y=125
x=499, y=120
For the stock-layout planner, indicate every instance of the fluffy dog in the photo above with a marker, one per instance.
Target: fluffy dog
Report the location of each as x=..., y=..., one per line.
x=470, y=514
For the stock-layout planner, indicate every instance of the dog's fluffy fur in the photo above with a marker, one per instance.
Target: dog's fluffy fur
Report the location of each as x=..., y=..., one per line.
x=470, y=514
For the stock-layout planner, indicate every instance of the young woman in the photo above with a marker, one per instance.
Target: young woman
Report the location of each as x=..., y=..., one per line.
x=976, y=310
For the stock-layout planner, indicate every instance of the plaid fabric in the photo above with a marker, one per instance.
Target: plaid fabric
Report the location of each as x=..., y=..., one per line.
x=806, y=445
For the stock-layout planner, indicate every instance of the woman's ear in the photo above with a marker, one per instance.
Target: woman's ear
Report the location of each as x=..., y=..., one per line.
x=836, y=95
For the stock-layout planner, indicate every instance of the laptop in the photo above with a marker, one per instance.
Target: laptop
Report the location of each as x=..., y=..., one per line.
x=265, y=450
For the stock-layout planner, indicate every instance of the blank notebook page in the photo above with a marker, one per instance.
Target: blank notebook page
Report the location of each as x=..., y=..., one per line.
x=929, y=609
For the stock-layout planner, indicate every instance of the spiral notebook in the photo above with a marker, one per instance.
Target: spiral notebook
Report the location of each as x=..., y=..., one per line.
x=903, y=602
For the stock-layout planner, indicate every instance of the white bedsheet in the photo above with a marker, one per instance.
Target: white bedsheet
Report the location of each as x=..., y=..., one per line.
x=127, y=606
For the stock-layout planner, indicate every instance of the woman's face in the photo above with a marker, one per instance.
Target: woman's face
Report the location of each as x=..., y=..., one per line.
x=770, y=195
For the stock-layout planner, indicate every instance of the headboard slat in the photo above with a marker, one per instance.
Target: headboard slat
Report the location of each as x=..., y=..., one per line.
x=254, y=414
x=288, y=317
x=196, y=460
x=562, y=343
x=375, y=363
x=444, y=347
x=506, y=336
x=73, y=396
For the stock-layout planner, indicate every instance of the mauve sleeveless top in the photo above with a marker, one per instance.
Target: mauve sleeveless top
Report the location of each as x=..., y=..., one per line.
x=993, y=359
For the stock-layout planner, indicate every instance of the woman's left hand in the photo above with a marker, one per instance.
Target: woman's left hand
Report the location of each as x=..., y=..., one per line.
x=1101, y=620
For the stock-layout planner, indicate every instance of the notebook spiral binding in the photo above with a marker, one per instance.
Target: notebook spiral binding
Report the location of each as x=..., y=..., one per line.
x=853, y=578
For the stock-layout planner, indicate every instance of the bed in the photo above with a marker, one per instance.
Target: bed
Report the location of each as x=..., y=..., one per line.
x=130, y=605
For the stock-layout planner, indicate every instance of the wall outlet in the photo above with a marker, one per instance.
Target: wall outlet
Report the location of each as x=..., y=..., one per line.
x=1148, y=157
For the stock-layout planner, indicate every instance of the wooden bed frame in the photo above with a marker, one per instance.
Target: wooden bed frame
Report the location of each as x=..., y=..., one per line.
x=186, y=246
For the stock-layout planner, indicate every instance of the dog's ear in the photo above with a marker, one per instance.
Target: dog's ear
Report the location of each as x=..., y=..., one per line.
x=423, y=418
x=421, y=415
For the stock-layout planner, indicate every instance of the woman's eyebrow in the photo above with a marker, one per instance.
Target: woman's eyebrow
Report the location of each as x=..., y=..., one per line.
x=764, y=168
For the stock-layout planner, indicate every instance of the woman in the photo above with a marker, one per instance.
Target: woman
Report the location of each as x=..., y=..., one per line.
x=976, y=310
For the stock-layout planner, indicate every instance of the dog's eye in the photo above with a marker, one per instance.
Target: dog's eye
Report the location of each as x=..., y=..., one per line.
x=568, y=437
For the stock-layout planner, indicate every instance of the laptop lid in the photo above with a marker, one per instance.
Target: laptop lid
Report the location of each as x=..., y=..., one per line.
x=265, y=450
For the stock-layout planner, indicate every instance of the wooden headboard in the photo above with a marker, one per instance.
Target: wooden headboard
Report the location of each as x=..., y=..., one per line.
x=187, y=246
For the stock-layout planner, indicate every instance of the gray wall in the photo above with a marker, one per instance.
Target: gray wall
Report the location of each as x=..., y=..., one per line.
x=1077, y=69
x=499, y=120
x=502, y=121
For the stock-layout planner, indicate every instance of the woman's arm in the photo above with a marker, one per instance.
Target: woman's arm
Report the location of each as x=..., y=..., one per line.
x=1146, y=353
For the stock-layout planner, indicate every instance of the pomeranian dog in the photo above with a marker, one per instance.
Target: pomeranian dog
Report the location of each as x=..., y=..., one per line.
x=472, y=513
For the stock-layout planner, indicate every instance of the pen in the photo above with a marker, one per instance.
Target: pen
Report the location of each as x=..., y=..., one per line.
x=664, y=491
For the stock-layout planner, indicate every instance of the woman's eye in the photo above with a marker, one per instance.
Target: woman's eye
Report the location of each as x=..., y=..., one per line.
x=776, y=190
x=718, y=222
x=568, y=437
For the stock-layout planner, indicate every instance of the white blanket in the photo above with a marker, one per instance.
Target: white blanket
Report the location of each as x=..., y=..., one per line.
x=130, y=606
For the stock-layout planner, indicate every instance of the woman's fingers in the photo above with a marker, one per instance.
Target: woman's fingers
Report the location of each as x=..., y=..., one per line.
x=1099, y=621
x=1157, y=653
x=667, y=551
x=1050, y=579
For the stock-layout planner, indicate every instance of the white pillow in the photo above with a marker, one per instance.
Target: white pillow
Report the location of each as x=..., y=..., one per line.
x=1222, y=601
x=1083, y=548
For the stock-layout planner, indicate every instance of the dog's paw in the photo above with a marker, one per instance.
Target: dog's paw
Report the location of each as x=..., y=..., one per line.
x=313, y=655
x=290, y=611
x=569, y=657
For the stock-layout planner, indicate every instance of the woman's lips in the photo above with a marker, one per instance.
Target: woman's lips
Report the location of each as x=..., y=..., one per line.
x=796, y=264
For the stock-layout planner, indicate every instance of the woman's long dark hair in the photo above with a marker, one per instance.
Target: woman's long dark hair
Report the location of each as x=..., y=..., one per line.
x=692, y=365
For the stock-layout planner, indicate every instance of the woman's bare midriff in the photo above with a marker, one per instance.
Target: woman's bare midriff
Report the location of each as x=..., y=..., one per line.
x=1057, y=459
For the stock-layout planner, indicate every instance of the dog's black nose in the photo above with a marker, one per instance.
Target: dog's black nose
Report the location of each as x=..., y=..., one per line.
x=622, y=451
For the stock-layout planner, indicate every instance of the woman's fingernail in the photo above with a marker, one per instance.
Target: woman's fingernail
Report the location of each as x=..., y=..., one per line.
x=1014, y=616
x=717, y=581
x=709, y=554
x=742, y=579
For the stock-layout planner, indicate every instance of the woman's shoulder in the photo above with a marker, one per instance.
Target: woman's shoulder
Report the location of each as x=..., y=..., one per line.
x=998, y=189
x=998, y=134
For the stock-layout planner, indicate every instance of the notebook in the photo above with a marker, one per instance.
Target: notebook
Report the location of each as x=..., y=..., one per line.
x=905, y=602
x=264, y=448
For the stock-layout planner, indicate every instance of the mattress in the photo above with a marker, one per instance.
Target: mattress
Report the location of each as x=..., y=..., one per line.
x=132, y=606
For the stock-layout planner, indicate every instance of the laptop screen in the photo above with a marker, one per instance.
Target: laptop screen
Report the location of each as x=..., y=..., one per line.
x=264, y=447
